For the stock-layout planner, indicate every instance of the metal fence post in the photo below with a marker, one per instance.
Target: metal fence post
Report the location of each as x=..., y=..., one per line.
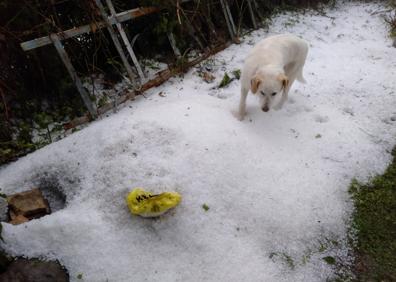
x=72, y=72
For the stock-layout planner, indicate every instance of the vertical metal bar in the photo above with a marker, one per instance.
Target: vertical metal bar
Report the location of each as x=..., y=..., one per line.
x=172, y=42
x=72, y=72
x=116, y=42
x=126, y=42
x=230, y=30
x=252, y=14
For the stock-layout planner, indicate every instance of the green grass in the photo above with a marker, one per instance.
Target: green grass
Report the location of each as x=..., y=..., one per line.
x=205, y=207
x=374, y=226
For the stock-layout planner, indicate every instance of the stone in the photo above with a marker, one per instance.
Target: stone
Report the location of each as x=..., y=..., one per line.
x=18, y=220
x=5, y=260
x=208, y=77
x=30, y=204
x=34, y=270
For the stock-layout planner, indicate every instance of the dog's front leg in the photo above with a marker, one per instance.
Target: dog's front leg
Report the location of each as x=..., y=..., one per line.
x=284, y=97
x=242, y=103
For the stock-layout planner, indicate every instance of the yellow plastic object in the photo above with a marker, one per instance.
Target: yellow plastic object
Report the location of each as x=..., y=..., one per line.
x=146, y=204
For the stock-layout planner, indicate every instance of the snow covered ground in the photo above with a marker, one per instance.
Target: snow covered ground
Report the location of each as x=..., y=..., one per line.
x=276, y=184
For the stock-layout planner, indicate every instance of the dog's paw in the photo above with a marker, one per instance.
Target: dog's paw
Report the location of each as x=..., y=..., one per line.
x=321, y=119
x=239, y=116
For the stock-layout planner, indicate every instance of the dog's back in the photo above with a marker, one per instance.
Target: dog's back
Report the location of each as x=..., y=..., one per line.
x=280, y=50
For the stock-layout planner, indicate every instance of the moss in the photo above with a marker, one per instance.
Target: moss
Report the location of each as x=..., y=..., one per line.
x=374, y=225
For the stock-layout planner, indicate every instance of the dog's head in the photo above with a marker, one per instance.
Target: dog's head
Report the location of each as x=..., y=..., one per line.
x=268, y=84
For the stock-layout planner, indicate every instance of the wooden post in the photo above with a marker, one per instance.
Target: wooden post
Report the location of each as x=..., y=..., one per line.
x=252, y=14
x=116, y=42
x=126, y=41
x=66, y=60
x=93, y=27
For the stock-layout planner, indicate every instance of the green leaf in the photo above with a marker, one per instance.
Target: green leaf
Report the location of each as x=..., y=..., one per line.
x=237, y=73
x=225, y=81
x=205, y=207
x=329, y=260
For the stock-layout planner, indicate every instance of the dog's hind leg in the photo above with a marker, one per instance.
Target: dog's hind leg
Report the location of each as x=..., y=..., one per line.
x=242, y=103
x=300, y=77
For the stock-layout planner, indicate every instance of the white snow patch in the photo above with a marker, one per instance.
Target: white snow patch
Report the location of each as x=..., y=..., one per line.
x=276, y=184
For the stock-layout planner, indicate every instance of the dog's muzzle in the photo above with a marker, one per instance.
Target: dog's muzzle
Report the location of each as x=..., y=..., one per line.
x=265, y=109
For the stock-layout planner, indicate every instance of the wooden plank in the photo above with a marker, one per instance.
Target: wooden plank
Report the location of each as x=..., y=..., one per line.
x=126, y=42
x=116, y=42
x=72, y=72
x=161, y=77
x=121, y=17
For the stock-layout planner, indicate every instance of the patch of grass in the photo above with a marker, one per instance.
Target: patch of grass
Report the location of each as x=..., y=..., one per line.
x=391, y=21
x=289, y=261
x=237, y=73
x=225, y=81
x=330, y=260
x=285, y=258
x=79, y=276
x=205, y=207
x=374, y=225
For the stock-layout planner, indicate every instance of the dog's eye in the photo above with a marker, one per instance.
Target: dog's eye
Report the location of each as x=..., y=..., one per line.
x=262, y=93
x=273, y=94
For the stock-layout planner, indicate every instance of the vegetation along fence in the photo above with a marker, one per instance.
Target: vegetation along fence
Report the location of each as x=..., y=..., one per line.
x=53, y=52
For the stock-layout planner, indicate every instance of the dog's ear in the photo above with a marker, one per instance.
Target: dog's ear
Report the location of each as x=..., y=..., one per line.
x=283, y=78
x=254, y=84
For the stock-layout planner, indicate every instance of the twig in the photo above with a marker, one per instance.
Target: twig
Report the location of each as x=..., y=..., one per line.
x=178, y=11
x=5, y=104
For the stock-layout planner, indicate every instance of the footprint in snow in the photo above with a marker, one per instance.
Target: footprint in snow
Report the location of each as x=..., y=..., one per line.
x=321, y=119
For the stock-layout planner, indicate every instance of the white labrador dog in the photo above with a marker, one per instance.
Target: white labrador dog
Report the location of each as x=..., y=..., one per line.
x=270, y=70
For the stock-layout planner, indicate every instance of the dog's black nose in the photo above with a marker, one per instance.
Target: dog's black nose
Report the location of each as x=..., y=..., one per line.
x=265, y=109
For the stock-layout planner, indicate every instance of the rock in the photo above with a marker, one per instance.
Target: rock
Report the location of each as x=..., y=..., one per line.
x=19, y=219
x=208, y=77
x=34, y=270
x=5, y=261
x=30, y=204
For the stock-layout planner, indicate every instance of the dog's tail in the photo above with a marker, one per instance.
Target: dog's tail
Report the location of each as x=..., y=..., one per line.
x=300, y=77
